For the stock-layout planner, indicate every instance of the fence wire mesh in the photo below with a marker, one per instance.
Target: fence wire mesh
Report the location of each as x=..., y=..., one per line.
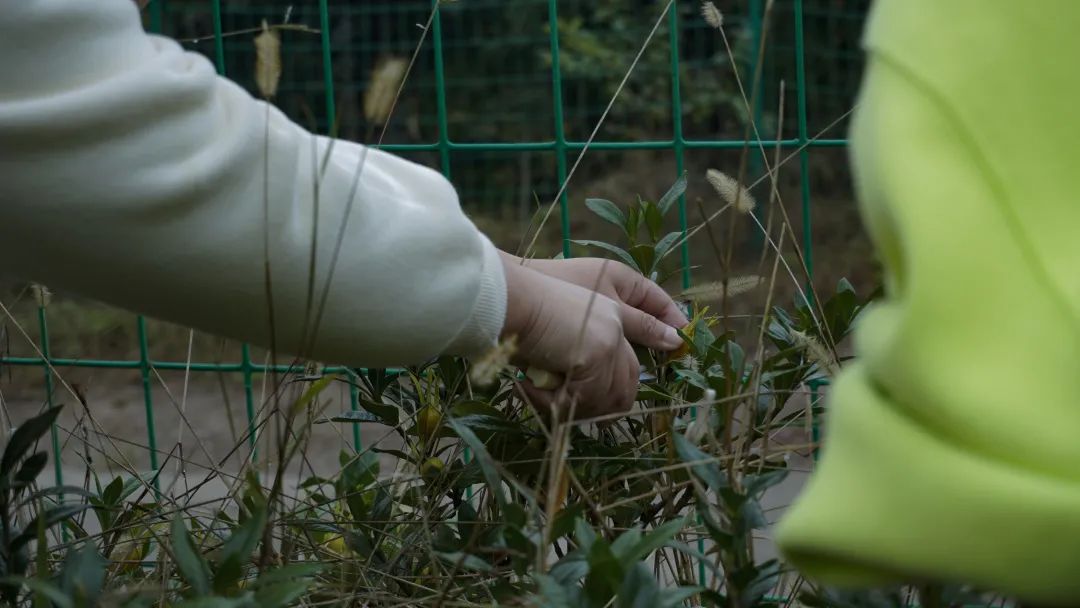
x=502, y=96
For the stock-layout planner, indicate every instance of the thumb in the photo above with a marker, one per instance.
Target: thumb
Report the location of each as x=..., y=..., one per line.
x=644, y=329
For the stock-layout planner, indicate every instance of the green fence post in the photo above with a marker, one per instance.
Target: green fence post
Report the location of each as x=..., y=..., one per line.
x=354, y=405
x=156, y=8
x=560, y=125
x=440, y=89
x=757, y=88
x=54, y=432
x=328, y=68
x=804, y=138
x=157, y=12
x=678, y=145
x=678, y=142
x=245, y=350
x=148, y=400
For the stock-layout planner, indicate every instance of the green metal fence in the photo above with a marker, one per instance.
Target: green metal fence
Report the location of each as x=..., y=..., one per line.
x=451, y=139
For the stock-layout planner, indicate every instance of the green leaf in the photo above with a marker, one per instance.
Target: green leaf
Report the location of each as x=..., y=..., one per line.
x=571, y=568
x=648, y=391
x=483, y=458
x=605, y=573
x=469, y=562
x=698, y=555
x=692, y=377
x=216, y=602
x=356, y=416
x=54, y=595
x=625, y=543
x=111, y=494
x=480, y=416
x=564, y=520
x=677, y=189
x=227, y=572
x=381, y=510
x=644, y=257
x=653, y=540
x=514, y=515
x=357, y=472
x=452, y=370
x=755, y=581
x=280, y=595
x=191, y=565
x=654, y=220
x=633, y=221
x=705, y=467
x=552, y=594
x=478, y=422
x=751, y=515
x=666, y=245
x=287, y=573
x=135, y=483
x=31, y=467
x=239, y=548
x=387, y=414
x=583, y=534
x=607, y=211
x=83, y=576
x=675, y=596
x=55, y=491
x=24, y=437
x=618, y=251
x=639, y=589
x=466, y=521
x=717, y=599
x=313, y=392
x=755, y=484
x=46, y=519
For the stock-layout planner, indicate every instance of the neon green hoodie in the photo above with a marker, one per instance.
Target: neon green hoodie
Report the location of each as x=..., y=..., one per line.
x=953, y=443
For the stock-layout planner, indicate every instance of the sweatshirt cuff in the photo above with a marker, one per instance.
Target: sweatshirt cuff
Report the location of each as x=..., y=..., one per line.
x=481, y=331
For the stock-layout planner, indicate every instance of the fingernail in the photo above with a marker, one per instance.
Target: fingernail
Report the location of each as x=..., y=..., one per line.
x=672, y=339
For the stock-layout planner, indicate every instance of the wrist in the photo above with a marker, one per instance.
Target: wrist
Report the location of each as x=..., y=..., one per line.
x=518, y=302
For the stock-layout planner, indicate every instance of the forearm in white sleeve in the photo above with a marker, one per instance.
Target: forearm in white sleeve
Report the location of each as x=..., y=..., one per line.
x=131, y=173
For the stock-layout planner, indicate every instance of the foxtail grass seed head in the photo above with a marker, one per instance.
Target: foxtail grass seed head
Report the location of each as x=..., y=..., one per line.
x=731, y=191
x=42, y=295
x=267, y=61
x=816, y=352
x=711, y=292
x=385, y=82
x=712, y=15
x=486, y=369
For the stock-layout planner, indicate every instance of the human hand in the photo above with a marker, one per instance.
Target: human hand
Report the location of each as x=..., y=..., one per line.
x=649, y=314
x=569, y=330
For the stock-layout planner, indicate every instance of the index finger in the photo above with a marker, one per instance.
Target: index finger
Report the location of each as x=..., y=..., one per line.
x=648, y=297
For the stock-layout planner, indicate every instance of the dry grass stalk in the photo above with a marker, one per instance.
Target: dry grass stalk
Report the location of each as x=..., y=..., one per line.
x=731, y=191
x=385, y=82
x=267, y=61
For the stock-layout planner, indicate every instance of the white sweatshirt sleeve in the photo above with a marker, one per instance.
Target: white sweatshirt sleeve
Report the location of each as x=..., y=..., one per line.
x=131, y=173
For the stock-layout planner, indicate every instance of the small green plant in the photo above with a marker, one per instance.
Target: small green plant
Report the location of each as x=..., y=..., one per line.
x=20, y=466
x=644, y=255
